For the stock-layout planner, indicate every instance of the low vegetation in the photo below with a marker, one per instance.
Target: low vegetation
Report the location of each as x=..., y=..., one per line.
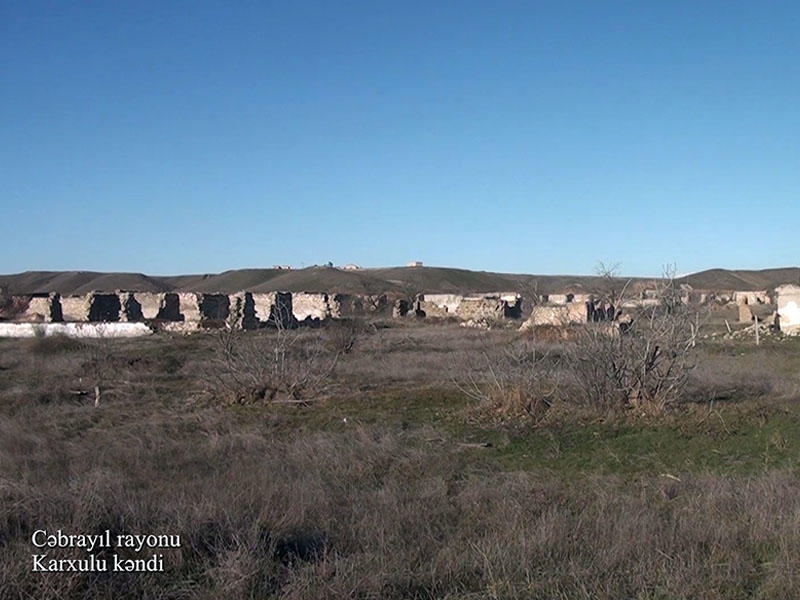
x=420, y=461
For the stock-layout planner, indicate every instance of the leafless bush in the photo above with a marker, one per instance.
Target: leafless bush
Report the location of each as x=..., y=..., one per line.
x=610, y=287
x=276, y=364
x=646, y=366
x=342, y=335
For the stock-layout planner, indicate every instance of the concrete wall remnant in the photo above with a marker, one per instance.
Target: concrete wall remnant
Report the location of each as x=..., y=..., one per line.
x=788, y=300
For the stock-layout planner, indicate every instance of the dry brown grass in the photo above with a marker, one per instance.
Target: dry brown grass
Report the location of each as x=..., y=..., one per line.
x=281, y=501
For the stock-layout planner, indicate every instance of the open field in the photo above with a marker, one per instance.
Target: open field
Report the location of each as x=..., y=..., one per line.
x=423, y=464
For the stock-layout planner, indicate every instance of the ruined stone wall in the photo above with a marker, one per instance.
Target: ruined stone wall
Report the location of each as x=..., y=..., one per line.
x=38, y=308
x=104, y=308
x=76, y=308
x=471, y=308
x=271, y=309
x=788, y=299
x=170, y=308
x=355, y=305
x=571, y=298
x=555, y=299
x=281, y=313
x=751, y=298
x=150, y=304
x=438, y=305
x=237, y=309
x=373, y=304
x=214, y=308
x=745, y=312
x=401, y=308
x=475, y=309
x=189, y=311
x=512, y=306
x=262, y=307
x=745, y=303
x=131, y=308
x=310, y=306
x=559, y=315
x=189, y=306
x=342, y=305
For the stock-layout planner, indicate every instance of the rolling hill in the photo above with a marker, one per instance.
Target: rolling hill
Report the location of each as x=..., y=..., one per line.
x=397, y=280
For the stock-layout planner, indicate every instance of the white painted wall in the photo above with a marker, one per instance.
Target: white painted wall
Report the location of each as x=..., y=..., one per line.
x=76, y=330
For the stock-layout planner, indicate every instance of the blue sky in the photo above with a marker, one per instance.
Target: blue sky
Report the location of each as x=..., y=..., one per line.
x=539, y=137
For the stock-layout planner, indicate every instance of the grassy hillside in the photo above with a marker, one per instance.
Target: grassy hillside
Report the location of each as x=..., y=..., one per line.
x=408, y=280
x=722, y=279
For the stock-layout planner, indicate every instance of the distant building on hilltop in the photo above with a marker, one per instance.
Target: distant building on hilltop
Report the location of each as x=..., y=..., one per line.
x=414, y=263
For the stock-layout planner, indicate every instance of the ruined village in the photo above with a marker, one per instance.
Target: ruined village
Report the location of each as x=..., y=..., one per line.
x=131, y=313
x=373, y=420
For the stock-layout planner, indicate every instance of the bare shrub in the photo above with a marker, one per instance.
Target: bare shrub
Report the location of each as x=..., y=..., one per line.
x=648, y=365
x=273, y=364
x=610, y=288
x=342, y=335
